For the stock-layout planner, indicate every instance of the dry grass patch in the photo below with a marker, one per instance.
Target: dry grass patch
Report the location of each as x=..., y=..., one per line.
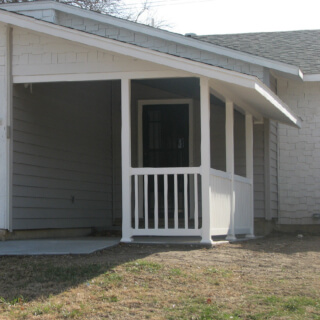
x=273, y=278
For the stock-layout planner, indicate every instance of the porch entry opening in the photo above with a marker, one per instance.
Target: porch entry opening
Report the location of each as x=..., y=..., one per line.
x=165, y=135
x=166, y=197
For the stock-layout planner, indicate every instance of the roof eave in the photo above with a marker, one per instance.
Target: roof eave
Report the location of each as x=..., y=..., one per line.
x=161, y=34
x=194, y=68
x=311, y=77
x=278, y=104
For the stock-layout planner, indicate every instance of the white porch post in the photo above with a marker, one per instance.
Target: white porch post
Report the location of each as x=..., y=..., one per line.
x=230, y=165
x=126, y=159
x=5, y=128
x=205, y=160
x=249, y=166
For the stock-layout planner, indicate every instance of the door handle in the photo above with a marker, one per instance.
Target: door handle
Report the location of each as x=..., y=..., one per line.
x=180, y=143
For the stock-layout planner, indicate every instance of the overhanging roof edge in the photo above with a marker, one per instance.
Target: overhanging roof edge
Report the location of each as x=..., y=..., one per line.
x=165, y=35
x=178, y=63
x=278, y=103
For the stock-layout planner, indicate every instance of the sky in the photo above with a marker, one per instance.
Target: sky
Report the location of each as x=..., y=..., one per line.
x=234, y=16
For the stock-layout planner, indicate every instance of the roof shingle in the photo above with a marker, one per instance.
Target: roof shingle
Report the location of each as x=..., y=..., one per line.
x=299, y=48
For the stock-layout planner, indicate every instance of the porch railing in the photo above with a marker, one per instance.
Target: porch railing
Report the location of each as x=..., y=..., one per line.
x=166, y=202
x=220, y=183
x=243, y=192
x=221, y=197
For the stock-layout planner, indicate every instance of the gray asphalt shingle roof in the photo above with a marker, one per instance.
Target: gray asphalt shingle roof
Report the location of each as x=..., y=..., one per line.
x=299, y=48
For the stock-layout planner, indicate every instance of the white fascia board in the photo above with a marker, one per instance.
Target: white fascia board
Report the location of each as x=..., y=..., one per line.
x=311, y=77
x=218, y=90
x=276, y=102
x=28, y=6
x=177, y=63
x=256, y=86
x=99, y=76
x=118, y=47
x=158, y=33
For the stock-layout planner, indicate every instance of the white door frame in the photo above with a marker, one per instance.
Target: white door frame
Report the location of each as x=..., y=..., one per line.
x=164, y=102
x=142, y=103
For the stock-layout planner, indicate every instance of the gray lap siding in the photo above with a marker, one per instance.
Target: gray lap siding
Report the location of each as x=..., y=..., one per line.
x=62, y=156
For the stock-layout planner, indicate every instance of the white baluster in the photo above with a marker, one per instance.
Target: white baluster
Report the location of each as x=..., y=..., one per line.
x=165, y=177
x=176, y=202
x=156, y=205
x=136, y=202
x=146, y=211
x=196, y=204
x=186, y=201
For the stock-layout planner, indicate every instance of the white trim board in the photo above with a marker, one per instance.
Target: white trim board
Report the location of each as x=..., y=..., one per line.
x=311, y=77
x=158, y=33
x=177, y=63
x=142, y=103
x=126, y=49
x=99, y=76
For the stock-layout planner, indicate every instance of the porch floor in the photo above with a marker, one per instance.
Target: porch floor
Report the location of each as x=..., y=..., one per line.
x=55, y=246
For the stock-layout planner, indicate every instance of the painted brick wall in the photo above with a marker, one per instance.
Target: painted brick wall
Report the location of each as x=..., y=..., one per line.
x=3, y=125
x=299, y=156
x=140, y=39
x=143, y=40
x=38, y=54
x=46, y=14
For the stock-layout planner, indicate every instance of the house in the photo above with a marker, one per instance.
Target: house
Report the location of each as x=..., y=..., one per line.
x=104, y=120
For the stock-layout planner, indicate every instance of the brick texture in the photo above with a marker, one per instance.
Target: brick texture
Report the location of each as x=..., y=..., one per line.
x=299, y=158
x=143, y=40
x=120, y=34
x=47, y=14
x=38, y=54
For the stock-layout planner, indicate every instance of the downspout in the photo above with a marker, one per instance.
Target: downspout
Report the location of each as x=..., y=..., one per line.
x=112, y=153
x=278, y=170
x=278, y=159
x=9, y=125
x=267, y=187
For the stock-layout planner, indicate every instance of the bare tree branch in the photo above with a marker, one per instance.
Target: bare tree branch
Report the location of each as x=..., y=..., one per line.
x=143, y=13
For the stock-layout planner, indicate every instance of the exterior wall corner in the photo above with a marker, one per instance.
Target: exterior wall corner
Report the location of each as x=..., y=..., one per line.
x=299, y=155
x=4, y=126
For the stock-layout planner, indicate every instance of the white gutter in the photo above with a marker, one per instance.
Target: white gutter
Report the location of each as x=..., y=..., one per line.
x=158, y=33
x=311, y=77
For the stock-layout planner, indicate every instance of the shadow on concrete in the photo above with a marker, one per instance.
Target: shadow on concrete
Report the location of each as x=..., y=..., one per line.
x=56, y=246
x=34, y=276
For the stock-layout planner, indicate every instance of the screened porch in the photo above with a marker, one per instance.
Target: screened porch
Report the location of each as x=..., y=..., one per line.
x=191, y=167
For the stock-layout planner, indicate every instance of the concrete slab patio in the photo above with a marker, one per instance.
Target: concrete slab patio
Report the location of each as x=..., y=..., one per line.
x=55, y=247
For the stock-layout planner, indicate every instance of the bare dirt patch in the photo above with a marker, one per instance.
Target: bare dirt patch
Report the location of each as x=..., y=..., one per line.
x=277, y=277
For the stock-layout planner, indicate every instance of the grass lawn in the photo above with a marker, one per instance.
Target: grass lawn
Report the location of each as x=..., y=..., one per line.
x=277, y=277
